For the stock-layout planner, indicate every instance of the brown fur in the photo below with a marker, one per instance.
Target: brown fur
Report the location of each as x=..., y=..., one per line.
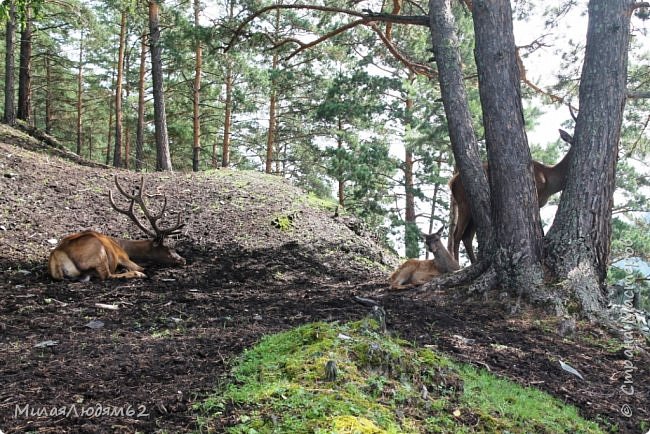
x=89, y=252
x=548, y=181
x=415, y=272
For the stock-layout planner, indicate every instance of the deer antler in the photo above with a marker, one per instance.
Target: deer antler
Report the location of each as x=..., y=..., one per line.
x=158, y=233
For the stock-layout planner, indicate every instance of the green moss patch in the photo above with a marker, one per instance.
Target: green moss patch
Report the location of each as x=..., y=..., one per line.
x=331, y=378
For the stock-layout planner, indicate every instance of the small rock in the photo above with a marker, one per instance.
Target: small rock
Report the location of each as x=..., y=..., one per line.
x=94, y=324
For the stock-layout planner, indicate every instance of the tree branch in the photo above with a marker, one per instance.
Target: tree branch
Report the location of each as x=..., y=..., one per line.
x=524, y=78
x=366, y=17
x=638, y=95
x=415, y=68
x=327, y=36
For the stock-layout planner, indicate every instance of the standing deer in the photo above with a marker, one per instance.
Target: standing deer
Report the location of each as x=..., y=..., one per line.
x=548, y=181
x=415, y=272
x=89, y=252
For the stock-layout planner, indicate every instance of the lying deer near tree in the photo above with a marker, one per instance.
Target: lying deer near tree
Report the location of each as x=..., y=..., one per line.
x=85, y=253
x=415, y=272
x=548, y=181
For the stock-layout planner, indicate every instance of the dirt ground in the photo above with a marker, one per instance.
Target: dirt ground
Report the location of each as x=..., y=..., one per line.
x=260, y=260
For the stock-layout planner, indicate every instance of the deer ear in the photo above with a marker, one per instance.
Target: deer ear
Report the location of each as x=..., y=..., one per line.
x=440, y=231
x=422, y=235
x=566, y=137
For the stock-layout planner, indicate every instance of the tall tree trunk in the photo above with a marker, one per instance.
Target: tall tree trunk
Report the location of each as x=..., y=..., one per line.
x=25, y=73
x=461, y=132
x=514, y=204
x=578, y=243
x=117, y=153
x=196, y=150
x=48, y=93
x=10, y=36
x=270, y=138
x=89, y=134
x=109, y=139
x=127, y=129
x=227, y=119
x=163, y=157
x=341, y=176
x=80, y=93
x=139, y=134
x=411, y=231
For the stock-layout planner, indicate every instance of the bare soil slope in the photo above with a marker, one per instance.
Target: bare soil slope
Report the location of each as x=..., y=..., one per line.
x=261, y=258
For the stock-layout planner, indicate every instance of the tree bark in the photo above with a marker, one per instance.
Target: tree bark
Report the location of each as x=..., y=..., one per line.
x=117, y=152
x=109, y=139
x=10, y=36
x=227, y=120
x=196, y=149
x=513, y=192
x=461, y=132
x=163, y=157
x=80, y=93
x=340, y=177
x=578, y=243
x=25, y=73
x=139, y=132
x=48, y=93
x=411, y=231
x=270, y=139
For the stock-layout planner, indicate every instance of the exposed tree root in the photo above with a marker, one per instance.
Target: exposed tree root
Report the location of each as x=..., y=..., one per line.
x=465, y=276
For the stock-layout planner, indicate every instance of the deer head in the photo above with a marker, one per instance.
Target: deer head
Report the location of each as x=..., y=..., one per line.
x=153, y=250
x=444, y=261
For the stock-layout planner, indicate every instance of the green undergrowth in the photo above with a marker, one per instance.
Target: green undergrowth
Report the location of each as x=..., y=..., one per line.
x=381, y=385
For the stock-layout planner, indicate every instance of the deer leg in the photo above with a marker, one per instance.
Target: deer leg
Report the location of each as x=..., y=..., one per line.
x=130, y=265
x=463, y=222
x=134, y=270
x=468, y=238
x=129, y=275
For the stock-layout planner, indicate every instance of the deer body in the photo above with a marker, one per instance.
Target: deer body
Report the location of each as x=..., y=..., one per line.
x=92, y=253
x=548, y=181
x=89, y=252
x=415, y=272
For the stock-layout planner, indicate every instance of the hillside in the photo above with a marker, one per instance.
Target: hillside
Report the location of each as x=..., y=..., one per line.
x=262, y=257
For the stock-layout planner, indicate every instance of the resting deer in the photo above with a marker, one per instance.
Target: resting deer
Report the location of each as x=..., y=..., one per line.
x=548, y=181
x=89, y=252
x=415, y=272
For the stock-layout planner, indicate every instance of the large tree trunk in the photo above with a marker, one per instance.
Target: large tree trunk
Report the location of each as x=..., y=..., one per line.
x=578, y=243
x=512, y=187
x=80, y=93
x=196, y=149
x=10, y=36
x=117, y=152
x=163, y=157
x=461, y=131
x=25, y=73
x=139, y=132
